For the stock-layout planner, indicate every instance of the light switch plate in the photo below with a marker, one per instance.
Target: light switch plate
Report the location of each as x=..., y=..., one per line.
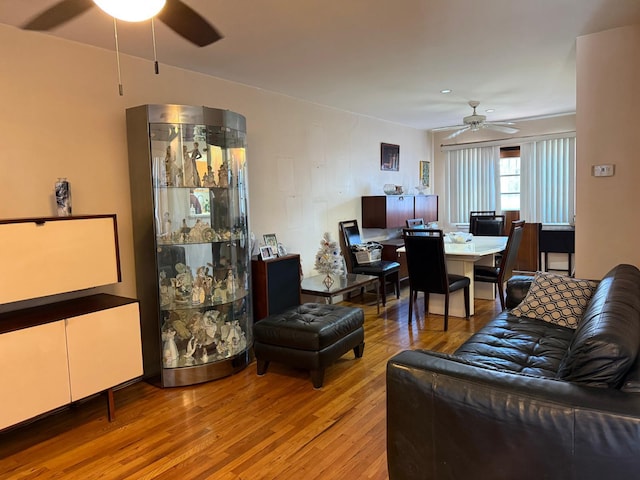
x=603, y=170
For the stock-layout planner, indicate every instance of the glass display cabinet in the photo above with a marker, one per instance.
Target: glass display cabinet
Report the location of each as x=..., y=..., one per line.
x=187, y=173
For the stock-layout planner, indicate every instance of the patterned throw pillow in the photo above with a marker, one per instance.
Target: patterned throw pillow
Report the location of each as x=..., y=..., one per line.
x=556, y=299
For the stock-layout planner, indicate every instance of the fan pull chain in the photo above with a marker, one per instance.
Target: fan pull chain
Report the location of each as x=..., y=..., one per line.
x=155, y=54
x=115, y=32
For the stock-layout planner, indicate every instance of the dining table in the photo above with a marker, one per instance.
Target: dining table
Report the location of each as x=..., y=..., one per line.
x=461, y=258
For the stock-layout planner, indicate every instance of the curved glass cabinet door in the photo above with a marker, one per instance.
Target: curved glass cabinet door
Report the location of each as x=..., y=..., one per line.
x=197, y=317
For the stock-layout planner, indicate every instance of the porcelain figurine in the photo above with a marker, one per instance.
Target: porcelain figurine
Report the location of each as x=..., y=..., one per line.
x=168, y=166
x=191, y=176
x=204, y=356
x=189, y=351
x=209, y=178
x=231, y=288
x=169, y=349
x=223, y=176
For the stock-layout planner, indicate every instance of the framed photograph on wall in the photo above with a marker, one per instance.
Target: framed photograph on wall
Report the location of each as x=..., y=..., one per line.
x=389, y=157
x=425, y=173
x=267, y=253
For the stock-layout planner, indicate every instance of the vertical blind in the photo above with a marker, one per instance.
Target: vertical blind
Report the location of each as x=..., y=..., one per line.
x=473, y=181
x=547, y=180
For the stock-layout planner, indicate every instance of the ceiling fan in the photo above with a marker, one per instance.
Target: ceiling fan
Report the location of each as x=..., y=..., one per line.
x=475, y=122
x=175, y=14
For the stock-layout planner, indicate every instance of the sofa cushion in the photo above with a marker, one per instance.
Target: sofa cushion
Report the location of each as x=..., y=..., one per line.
x=520, y=345
x=606, y=341
x=556, y=299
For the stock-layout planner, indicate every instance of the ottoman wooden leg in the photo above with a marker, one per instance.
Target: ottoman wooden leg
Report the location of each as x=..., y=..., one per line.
x=317, y=377
x=262, y=366
x=358, y=350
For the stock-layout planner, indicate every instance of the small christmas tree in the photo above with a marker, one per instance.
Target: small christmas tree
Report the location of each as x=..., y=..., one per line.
x=329, y=259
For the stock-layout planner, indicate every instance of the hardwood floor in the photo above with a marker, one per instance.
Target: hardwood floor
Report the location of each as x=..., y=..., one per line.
x=244, y=426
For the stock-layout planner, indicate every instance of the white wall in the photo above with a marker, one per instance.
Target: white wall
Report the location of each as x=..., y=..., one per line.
x=608, y=99
x=62, y=117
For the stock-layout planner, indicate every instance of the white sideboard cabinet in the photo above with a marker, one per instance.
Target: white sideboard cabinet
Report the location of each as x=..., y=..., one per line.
x=62, y=351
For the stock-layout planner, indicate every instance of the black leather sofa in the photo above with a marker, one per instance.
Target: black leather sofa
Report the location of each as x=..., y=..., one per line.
x=524, y=398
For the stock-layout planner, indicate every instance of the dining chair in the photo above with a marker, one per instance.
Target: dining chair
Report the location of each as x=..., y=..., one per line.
x=428, y=270
x=414, y=222
x=387, y=271
x=488, y=225
x=474, y=214
x=498, y=275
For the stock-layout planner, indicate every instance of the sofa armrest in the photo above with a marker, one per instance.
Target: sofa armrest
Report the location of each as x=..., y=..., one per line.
x=517, y=288
x=448, y=418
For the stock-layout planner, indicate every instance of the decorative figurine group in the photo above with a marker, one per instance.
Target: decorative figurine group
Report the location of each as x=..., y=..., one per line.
x=205, y=337
x=187, y=175
x=185, y=289
x=200, y=232
x=203, y=313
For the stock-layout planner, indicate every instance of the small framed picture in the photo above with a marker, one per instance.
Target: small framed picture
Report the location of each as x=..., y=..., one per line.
x=425, y=173
x=267, y=253
x=271, y=241
x=389, y=157
x=282, y=251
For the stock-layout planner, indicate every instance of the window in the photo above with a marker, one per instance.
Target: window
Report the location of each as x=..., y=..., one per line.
x=548, y=180
x=510, y=178
x=473, y=181
x=537, y=178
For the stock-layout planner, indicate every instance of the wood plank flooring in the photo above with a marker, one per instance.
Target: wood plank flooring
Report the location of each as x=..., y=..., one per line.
x=244, y=426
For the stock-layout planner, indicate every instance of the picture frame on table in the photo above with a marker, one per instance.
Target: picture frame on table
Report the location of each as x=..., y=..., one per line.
x=271, y=241
x=267, y=253
x=389, y=157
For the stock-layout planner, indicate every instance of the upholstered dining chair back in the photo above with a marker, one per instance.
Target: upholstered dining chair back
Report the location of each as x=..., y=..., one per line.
x=510, y=255
x=425, y=260
x=387, y=271
x=414, y=222
x=488, y=225
x=427, y=268
x=473, y=216
x=504, y=271
x=350, y=233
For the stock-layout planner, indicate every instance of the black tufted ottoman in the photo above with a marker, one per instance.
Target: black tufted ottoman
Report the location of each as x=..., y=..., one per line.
x=310, y=336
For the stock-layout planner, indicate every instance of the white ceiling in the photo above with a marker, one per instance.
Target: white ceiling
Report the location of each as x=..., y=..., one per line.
x=387, y=59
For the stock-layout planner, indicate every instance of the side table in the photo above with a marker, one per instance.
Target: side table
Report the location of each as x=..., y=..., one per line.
x=314, y=286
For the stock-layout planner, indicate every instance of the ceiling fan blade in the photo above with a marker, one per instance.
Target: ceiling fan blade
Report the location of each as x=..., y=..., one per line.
x=60, y=13
x=458, y=132
x=187, y=23
x=502, y=123
x=501, y=128
x=444, y=129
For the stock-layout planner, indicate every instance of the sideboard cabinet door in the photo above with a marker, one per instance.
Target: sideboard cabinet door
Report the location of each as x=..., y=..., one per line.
x=426, y=207
x=50, y=256
x=104, y=349
x=386, y=211
x=34, y=377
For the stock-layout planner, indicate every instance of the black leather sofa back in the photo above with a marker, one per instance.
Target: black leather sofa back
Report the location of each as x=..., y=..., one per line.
x=607, y=339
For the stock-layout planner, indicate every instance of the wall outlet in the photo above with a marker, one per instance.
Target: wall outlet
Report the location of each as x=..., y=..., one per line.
x=603, y=170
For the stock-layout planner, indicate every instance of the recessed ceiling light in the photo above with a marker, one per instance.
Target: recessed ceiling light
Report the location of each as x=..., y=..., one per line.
x=490, y=110
x=446, y=90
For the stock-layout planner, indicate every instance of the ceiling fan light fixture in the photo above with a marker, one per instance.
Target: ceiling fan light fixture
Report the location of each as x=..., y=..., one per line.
x=131, y=10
